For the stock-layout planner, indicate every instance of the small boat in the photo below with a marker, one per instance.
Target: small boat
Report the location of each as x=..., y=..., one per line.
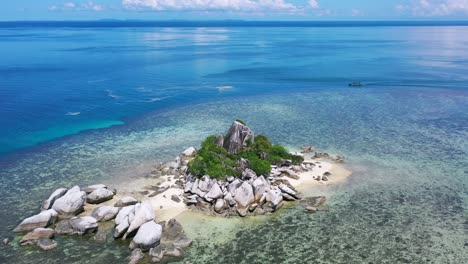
x=355, y=84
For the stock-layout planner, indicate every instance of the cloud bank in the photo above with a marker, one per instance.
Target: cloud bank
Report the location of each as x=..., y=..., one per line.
x=218, y=5
x=70, y=6
x=427, y=8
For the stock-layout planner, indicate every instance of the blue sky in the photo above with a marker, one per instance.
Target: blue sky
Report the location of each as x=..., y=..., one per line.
x=235, y=9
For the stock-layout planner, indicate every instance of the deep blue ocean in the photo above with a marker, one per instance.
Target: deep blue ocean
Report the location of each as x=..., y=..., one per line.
x=86, y=102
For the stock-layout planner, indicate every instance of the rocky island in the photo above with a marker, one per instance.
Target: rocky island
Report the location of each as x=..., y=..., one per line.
x=232, y=175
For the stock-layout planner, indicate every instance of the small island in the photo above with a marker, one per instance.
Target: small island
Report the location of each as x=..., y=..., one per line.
x=233, y=175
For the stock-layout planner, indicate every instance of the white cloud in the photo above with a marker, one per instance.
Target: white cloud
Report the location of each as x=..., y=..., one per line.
x=434, y=7
x=70, y=6
x=314, y=4
x=213, y=5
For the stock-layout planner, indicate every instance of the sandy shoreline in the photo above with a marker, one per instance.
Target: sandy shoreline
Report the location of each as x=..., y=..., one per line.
x=167, y=209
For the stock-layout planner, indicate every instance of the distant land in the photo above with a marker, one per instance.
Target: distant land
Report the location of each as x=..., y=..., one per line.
x=110, y=23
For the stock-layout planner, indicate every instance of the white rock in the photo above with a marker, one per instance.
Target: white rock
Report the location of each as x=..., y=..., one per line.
x=214, y=193
x=77, y=225
x=188, y=187
x=99, y=196
x=195, y=186
x=244, y=195
x=205, y=184
x=47, y=204
x=94, y=187
x=259, y=185
x=219, y=205
x=105, y=213
x=147, y=236
x=71, y=203
x=143, y=213
x=43, y=219
x=124, y=212
x=274, y=197
x=122, y=227
x=230, y=199
x=232, y=187
x=190, y=152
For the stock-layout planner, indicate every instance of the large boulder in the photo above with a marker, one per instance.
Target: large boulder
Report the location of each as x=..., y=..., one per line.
x=190, y=152
x=214, y=193
x=232, y=187
x=174, y=235
x=248, y=174
x=244, y=195
x=143, y=213
x=136, y=256
x=205, y=184
x=195, y=186
x=148, y=235
x=188, y=186
x=94, y=187
x=77, y=225
x=125, y=212
x=230, y=199
x=100, y=195
x=289, y=191
x=47, y=204
x=32, y=238
x=71, y=203
x=259, y=185
x=122, y=227
x=219, y=206
x=126, y=201
x=237, y=137
x=105, y=213
x=43, y=219
x=274, y=197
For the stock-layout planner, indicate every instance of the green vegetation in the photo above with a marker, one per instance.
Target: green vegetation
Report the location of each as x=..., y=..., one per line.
x=217, y=162
x=240, y=121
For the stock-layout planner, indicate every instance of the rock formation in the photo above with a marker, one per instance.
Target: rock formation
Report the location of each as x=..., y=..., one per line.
x=237, y=137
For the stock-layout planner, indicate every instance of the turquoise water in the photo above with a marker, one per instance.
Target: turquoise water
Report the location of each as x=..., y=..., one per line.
x=405, y=134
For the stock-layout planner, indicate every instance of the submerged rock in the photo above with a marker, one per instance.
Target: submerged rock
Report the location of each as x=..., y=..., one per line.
x=46, y=244
x=156, y=253
x=47, y=204
x=136, y=256
x=173, y=234
x=33, y=237
x=147, y=236
x=71, y=203
x=99, y=195
x=77, y=226
x=43, y=219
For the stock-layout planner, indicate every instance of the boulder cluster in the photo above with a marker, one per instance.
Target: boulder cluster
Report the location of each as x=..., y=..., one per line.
x=253, y=194
x=134, y=220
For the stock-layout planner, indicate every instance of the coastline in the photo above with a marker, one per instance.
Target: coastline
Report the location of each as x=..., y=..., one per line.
x=167, y=209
